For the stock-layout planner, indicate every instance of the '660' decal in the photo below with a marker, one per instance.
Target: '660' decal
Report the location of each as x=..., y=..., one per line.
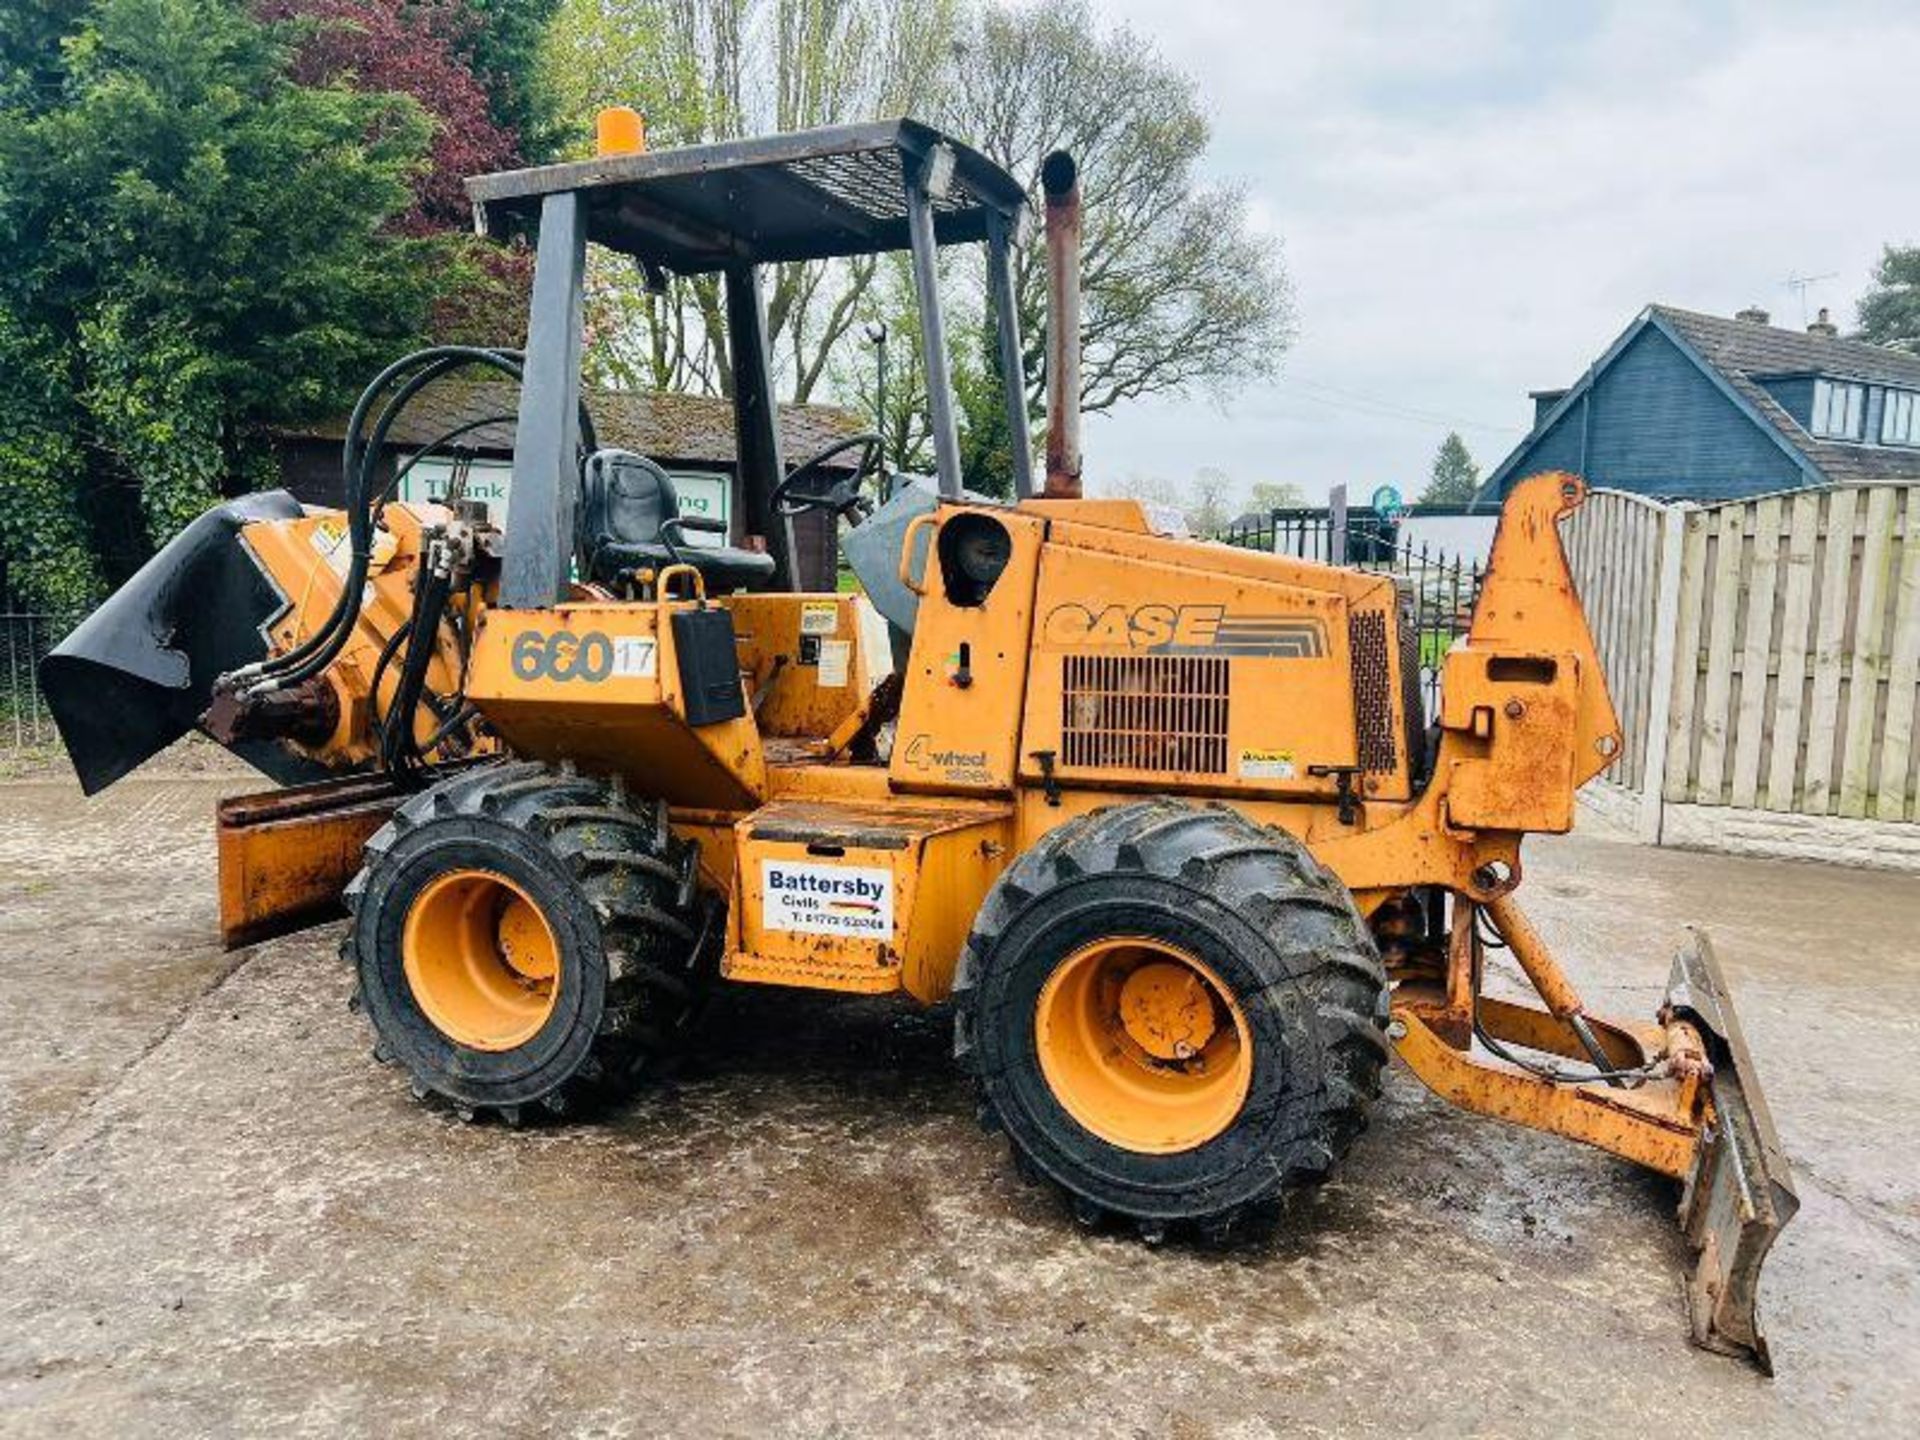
x=592, y=657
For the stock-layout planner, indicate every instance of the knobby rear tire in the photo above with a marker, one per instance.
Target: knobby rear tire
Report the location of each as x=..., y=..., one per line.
x=1274, y=924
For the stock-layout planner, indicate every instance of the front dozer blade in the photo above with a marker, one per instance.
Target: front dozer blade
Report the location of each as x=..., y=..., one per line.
x=286, y=856
x=1740, y=1194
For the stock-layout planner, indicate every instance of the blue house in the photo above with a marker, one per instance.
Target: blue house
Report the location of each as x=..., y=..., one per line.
x=1696, y=407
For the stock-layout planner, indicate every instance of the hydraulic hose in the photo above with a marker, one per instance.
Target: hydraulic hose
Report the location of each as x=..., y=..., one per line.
x=359, y=460
x=446, y=438
x=398, y=754
x=359, y=456
x=350, y=489
x=1602, y=1068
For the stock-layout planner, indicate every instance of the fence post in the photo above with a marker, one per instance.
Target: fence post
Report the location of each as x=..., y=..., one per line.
x=1337, y=526
x=1666, y=631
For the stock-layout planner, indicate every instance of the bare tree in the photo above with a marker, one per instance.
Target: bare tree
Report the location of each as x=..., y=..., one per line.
x=1209, y=502
x=1181, y=291
x=706, y=70
x=1276, y=495
x=1206, y=502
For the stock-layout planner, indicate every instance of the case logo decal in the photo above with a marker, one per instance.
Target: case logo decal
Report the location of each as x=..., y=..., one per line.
x=1184, y=630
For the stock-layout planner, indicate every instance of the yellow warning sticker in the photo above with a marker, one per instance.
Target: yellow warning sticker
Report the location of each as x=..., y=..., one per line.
x=819, y=617
x=1266, y=764
x=329, y=537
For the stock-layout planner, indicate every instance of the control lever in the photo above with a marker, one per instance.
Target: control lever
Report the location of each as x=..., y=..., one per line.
x=1348, y=797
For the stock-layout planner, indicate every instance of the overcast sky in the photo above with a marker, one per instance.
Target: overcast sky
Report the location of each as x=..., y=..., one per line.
x=1476, y=197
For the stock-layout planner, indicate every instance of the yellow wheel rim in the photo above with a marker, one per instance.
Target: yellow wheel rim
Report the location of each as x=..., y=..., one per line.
x=1143, y=1045
x=480, y=959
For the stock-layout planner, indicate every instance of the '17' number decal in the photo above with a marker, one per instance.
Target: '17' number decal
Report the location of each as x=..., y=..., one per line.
x=592, y=657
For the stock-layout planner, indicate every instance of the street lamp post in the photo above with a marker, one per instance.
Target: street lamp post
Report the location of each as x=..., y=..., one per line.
x=876, y=333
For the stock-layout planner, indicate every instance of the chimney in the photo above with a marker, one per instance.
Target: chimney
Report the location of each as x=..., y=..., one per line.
x=1754, y=315
x=1823, y=326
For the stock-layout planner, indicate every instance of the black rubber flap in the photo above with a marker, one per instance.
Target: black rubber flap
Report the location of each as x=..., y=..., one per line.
x=137, y=674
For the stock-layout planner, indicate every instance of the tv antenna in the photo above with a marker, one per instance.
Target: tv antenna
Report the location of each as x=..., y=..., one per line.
x=1799, y=284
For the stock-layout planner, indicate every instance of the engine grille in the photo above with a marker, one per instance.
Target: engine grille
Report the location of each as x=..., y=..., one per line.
x=1144, y=712
x=1372, y=691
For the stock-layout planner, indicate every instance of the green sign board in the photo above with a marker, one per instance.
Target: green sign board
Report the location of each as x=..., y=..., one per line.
x=702, y=492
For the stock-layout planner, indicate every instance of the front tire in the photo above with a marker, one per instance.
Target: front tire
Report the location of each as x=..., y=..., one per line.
x=527, y=937
x=1175, y=1014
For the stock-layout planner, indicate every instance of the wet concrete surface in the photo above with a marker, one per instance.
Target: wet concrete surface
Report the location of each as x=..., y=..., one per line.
x=220, y=1217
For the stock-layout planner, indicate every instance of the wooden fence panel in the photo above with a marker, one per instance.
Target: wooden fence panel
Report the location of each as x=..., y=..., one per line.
x=1796, y=634
x=1756, y=653
x=1830, y=652
x=1763, y=654
x=1638, y=580
x=1868, y=655
x=1895, y=797
x=1793, y=627
x=1723, y=620
x=1683, y=731
x=1614, y=548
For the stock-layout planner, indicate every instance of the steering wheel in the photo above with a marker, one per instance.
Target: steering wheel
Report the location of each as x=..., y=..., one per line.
x=843, y=497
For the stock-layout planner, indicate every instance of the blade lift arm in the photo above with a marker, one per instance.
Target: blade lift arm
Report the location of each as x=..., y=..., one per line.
x=1678, y=1096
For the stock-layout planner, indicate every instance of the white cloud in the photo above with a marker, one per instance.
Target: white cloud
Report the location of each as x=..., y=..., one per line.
x=1476, y=198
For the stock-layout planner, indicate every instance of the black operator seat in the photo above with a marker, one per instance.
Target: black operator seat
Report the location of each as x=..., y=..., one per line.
x=630, y=520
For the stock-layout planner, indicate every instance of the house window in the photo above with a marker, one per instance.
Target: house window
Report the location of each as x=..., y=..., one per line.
x=1838, y=409
x=1900, y=419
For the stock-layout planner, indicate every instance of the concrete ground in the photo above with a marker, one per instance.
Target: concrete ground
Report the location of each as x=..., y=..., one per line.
x=220, y=1217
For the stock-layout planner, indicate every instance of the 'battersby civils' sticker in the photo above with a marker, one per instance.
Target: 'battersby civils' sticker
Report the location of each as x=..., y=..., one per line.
x=827, y=899
x=1266, y=764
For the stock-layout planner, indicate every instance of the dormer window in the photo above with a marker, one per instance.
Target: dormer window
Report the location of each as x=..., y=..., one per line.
x=1900, y=418
x=1838, y=409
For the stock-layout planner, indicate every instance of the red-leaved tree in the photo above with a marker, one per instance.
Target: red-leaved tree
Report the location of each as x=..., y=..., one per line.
x=410, y=47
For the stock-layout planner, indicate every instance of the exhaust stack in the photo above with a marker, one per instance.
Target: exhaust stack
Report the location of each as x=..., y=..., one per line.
x=1060, y=179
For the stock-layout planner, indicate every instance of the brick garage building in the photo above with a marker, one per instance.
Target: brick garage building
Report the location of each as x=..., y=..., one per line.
x=690, y=436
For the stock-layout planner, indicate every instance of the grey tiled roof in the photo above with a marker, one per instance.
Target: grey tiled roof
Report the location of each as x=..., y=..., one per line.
x=690, y=429
x=1743, y=351
x=1772, y=350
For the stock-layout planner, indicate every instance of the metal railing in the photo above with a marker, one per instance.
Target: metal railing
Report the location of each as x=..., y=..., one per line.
x=1315, y=534
x=25, y=721
x=1439, y=587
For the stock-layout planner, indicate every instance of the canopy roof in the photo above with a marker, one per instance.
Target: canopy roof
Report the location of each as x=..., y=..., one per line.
x=800, y=196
